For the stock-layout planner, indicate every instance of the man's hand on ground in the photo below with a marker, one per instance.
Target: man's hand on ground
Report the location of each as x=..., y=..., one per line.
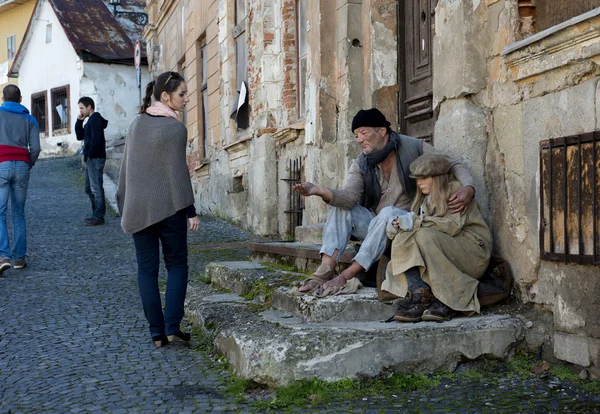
x=194, y=224
x=336, y=281
x=460, y=200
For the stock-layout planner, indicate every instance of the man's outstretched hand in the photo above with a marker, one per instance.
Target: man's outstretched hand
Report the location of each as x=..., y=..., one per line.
x=306, y=189
x=460, y=200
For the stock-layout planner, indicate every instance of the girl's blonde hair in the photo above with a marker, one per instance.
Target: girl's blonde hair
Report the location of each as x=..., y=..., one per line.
x=439, y=194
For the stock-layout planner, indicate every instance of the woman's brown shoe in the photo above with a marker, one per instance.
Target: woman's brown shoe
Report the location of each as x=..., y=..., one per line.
x=411, y=308
x=179, y=337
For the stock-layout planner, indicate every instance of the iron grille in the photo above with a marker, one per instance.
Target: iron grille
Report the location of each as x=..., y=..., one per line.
x=38, y=110
x=569, y=188
x=295, y=201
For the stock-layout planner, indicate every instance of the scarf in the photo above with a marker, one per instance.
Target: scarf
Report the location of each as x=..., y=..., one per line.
x=368, y=165
x=160, y=109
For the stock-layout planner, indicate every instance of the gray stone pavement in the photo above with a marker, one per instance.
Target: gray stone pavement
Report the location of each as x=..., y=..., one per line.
x=73, y=337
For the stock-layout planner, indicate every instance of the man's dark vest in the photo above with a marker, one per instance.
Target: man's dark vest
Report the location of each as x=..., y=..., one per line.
x=409, y=150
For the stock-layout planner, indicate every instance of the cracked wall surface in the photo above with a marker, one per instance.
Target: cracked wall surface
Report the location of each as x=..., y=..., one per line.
x=496, y=102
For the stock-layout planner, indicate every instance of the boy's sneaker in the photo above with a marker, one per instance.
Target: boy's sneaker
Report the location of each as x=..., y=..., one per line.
x=4, y=265
x=19, y=264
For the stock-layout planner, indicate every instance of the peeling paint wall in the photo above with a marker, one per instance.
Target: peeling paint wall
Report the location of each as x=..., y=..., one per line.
x=497, y=99
x=115, y=93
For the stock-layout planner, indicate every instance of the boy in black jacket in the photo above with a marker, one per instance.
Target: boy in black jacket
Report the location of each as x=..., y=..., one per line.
x=94, y=155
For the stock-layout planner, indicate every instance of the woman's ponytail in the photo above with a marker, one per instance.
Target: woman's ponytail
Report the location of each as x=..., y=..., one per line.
x=147, y=101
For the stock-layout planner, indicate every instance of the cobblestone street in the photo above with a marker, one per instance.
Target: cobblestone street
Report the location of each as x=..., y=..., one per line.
x=73, y=337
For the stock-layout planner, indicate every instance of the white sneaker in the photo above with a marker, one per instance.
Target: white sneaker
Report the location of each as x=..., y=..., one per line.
x=4, y=265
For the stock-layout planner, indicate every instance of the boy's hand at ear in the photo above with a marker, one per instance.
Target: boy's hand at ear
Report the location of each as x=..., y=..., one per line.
x=460, y=200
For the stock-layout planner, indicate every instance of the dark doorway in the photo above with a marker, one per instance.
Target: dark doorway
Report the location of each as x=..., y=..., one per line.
x=415, y=68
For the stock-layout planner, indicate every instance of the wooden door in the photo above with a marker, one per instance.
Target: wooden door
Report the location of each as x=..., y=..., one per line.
x=415, y=20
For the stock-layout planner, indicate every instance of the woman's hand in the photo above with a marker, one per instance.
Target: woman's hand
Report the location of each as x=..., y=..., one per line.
x=194, y=223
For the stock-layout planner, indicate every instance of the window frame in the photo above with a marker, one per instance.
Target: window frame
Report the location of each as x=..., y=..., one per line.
x=63, y=130
x=11, y=47
x=240, y=38
x=203, y=99
x=34, y=97
x=300, y=57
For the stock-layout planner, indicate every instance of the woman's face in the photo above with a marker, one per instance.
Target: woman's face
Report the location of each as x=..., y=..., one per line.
x=178, y=99
x=425, y=184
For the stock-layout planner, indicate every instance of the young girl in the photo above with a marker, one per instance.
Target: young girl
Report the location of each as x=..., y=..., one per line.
x=438, y=257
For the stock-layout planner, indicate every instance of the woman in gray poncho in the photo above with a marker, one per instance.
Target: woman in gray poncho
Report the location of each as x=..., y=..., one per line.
x=156, y=202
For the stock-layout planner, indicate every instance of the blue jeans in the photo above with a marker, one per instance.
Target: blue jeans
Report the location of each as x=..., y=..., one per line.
x=172, y=234
x=94, y=185
x=14, y=180
x=362, y=224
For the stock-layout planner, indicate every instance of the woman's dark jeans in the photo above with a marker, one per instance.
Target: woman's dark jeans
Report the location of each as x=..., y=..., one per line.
x=172, y=234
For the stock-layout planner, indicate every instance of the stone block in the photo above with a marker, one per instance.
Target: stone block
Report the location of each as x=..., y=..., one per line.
x=572, y=348
x=261, y=182
x=460, y=132
x=576, y=302
x=237, y=277
x=310, y=233
x=458, y=51
x=361, y=306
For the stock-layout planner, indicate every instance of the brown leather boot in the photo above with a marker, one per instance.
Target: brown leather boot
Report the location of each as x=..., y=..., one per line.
x=438, y=312
x=413, y=305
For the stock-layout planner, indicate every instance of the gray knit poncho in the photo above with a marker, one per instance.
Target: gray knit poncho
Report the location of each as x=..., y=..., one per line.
x=154, y=182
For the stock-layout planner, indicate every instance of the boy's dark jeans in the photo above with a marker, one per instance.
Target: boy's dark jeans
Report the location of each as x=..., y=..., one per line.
x=172, y=235
x=94, y=185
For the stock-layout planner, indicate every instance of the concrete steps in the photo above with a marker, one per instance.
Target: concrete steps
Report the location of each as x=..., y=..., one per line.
x=277, y=338
x=301, y=255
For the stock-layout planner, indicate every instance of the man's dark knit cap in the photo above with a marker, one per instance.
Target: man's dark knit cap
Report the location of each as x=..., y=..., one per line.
x=369, y=118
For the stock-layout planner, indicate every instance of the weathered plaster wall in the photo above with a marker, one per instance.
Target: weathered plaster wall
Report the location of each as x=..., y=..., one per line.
x=497, y=100
x=47, y=66
x=115, y=93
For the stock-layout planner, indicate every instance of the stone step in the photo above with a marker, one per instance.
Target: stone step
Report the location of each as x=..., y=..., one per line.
x=277, y=348
x=241, y=277
x=358, y=307
x=301, y=255
x=310, y=233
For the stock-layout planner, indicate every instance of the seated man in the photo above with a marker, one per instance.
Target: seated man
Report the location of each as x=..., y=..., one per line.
x=377, y=188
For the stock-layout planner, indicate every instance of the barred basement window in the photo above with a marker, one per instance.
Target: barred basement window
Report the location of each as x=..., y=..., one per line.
x=59, y=101
x=38, y=110
x=569, y=189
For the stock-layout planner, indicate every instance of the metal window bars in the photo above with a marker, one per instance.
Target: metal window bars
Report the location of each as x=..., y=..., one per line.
x=569, y=189
x=295, y=201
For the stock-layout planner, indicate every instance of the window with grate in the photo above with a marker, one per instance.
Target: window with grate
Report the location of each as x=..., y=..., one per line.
x=38, y=110
x=11, y=47
x=240, y=112
x=59, y=103
x=203, y=105
x=302, y=55
x=569, y=190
